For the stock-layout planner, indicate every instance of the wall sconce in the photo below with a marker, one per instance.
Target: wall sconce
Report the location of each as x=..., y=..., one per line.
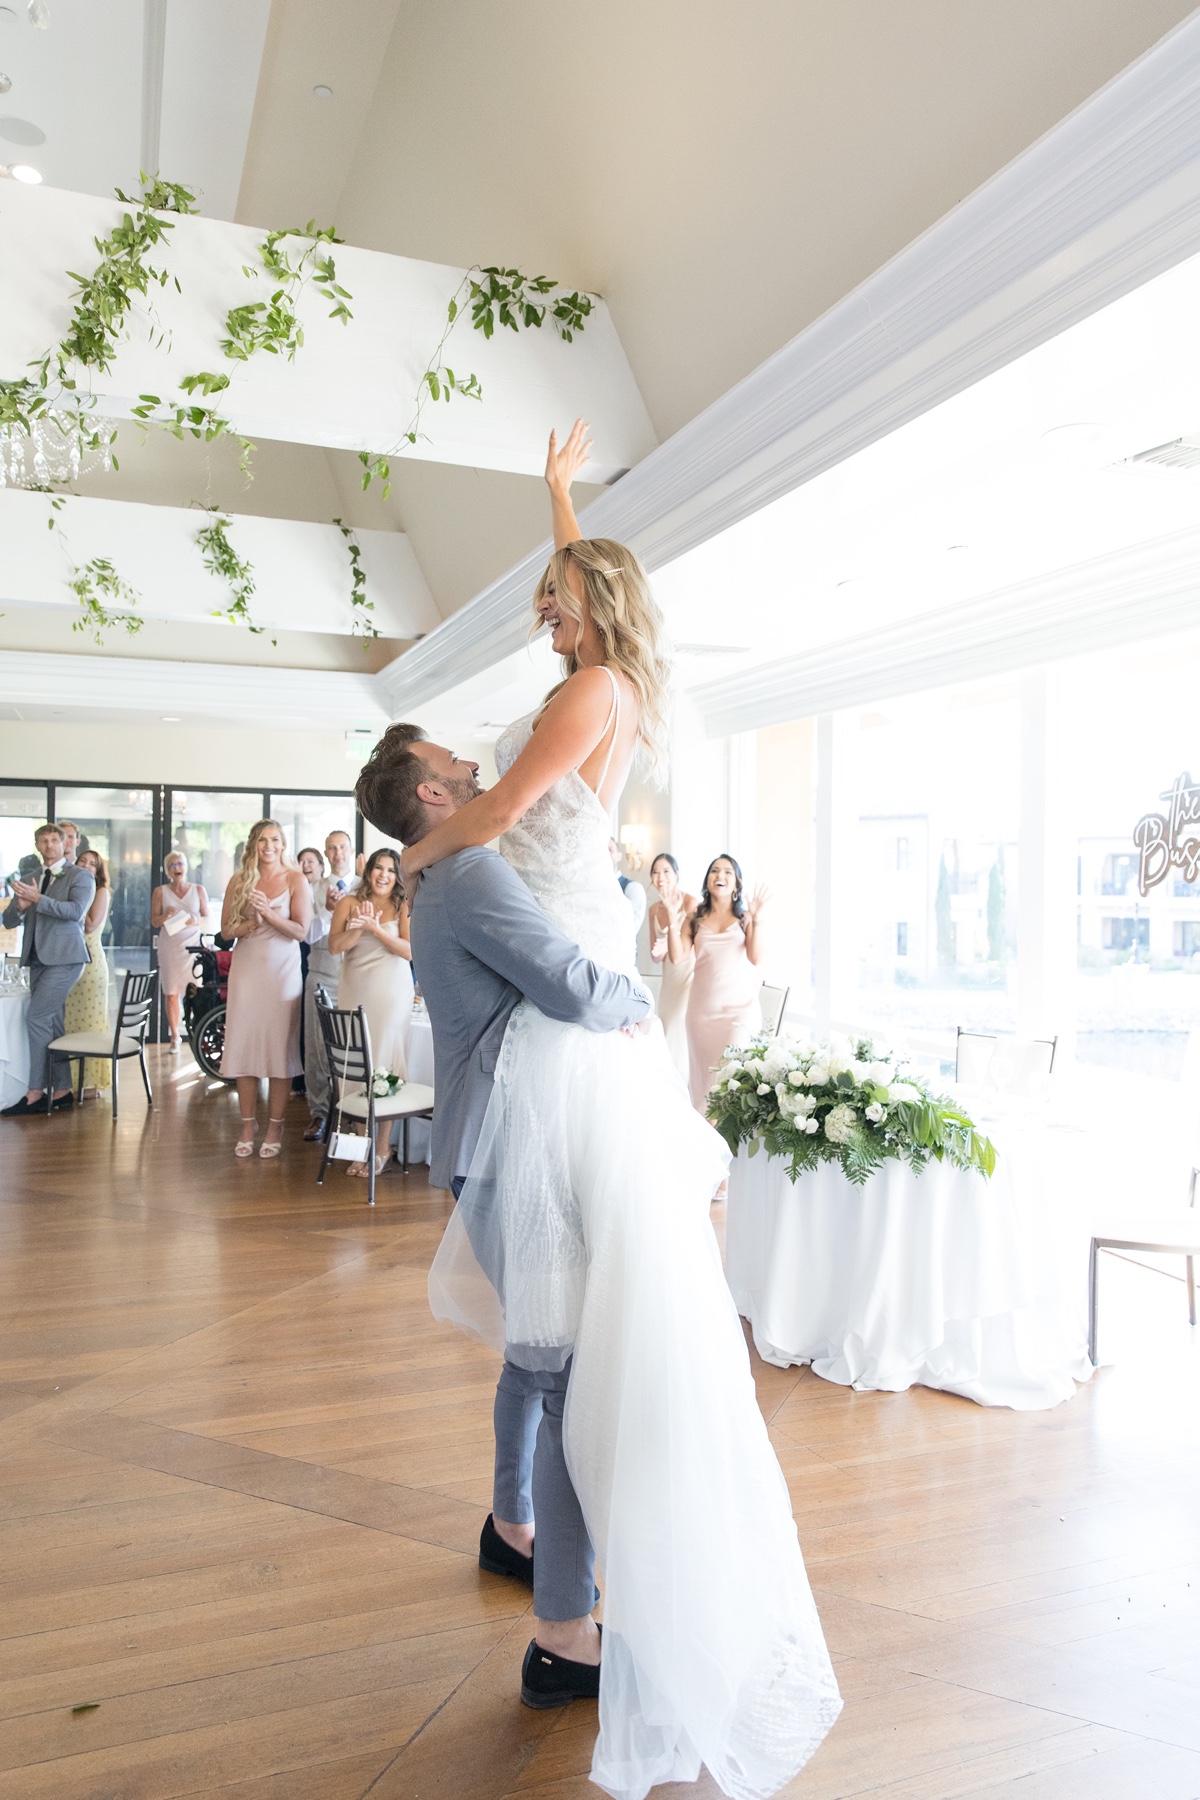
x=635, y=843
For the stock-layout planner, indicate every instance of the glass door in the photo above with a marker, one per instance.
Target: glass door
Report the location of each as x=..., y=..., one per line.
x=308, y=819
x=210, y=826
x=119, y=823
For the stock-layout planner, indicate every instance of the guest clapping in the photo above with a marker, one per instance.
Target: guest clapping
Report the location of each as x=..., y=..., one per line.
x=676, y=975
x=179, y=912
x=370, y=933
x=268, y=910
x=723, y=941
x=52, y=908
x=87, y=1002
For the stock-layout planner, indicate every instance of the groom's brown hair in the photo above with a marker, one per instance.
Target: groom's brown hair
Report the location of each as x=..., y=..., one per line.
x=386, y=790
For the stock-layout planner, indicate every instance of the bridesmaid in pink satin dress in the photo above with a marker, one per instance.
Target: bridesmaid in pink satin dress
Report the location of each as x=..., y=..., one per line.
x=723, y=943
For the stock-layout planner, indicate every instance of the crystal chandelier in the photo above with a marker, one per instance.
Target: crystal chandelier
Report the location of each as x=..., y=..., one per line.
x=57, y=447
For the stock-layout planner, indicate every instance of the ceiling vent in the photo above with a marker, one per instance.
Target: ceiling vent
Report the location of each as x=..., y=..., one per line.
x=1183, y=453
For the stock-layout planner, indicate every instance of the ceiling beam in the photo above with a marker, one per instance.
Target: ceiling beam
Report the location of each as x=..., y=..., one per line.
x=301, y=571
x=351, y=386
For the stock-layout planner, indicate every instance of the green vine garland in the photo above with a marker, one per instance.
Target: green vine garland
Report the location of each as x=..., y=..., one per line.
x=101, y=304
x=362, y=620
x=222, y=560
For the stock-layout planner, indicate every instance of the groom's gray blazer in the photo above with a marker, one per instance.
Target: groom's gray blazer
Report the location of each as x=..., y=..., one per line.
x=480, y=943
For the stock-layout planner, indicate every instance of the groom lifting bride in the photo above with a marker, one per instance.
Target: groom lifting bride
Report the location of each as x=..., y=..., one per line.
x=580, y=1246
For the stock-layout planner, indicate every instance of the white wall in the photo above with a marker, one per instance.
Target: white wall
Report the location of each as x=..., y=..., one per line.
x=182, y=755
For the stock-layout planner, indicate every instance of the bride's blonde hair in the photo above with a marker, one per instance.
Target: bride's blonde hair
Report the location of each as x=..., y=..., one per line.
x=243, y=883
x=617, y=595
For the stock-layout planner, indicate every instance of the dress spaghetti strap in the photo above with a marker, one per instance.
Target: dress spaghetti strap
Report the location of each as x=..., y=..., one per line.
x=613, y=720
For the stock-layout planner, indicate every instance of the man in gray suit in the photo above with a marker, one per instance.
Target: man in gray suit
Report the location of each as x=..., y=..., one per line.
x=481, y=944
x=52, y=910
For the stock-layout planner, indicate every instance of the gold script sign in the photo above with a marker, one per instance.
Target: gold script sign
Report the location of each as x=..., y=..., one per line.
x=1165, y=842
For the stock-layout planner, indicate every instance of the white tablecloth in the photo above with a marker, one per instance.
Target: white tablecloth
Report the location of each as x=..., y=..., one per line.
x=420, y=1068
x=14, y=1045
x=942, y=1279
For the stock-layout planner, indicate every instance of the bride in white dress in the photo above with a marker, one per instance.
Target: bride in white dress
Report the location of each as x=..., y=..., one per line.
x=595, y=1175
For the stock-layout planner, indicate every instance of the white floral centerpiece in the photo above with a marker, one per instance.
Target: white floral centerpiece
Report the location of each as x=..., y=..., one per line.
x=844, y=1101
x=384, y=1084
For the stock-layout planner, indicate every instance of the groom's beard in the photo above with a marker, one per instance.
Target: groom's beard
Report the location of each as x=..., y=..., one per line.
x=462, y=790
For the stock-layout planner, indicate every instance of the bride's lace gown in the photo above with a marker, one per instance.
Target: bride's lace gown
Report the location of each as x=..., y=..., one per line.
x=587, y=1205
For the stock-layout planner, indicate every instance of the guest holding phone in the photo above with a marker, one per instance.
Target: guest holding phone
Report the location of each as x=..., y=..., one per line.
x=179, y=912
x=267, y=910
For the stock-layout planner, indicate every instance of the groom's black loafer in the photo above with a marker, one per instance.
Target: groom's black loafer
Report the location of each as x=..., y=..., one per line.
x=22, y=1108
x=499, y=1558
x=548, y=1680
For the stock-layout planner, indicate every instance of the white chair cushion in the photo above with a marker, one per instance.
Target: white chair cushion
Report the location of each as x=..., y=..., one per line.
x=1178, y=1232
x=93, y=1043
x=412, y=1098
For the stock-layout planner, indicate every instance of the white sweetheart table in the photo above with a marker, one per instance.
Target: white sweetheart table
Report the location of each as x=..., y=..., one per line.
x=942, y=1279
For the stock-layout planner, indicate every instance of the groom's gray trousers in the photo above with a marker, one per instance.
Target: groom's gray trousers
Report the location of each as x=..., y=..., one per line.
x=531, y=1482
x=483, y=943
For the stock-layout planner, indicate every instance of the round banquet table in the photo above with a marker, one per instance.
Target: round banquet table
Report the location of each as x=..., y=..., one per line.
x=14, y=1044
x=942, y=1279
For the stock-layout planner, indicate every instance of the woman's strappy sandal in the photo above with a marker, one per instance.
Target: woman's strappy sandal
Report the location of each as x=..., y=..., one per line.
x=268, y=1150
x=246, y=1147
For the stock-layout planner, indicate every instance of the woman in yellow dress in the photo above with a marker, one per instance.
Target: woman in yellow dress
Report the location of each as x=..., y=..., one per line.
x=87, y=1002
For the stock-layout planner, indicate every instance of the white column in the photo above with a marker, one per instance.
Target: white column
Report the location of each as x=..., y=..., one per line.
x=1048, y=851
x=835, y=974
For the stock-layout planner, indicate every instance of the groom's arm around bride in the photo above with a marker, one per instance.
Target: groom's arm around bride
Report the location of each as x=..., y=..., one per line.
x=482, y=944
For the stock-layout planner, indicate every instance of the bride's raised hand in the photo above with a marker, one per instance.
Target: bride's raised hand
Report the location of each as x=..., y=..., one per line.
x=563, y=465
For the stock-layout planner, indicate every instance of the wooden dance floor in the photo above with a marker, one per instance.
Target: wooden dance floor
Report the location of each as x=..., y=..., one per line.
x=242, y=1475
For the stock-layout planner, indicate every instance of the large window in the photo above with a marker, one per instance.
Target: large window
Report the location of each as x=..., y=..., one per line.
x=1130, y=725
x=22, y=810
x=210, y=826
x=932, y=877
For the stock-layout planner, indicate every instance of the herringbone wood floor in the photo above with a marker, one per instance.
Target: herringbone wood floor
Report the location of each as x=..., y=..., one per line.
x=242, y=1474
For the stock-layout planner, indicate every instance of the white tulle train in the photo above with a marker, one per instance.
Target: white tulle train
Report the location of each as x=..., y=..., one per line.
x=584, y=1227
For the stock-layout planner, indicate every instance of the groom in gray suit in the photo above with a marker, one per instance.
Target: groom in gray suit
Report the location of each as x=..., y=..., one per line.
x=480, y=944
x=52, y=909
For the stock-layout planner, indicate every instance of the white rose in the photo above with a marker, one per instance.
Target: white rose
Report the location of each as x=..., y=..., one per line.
x=812, y=1126
x=875, y=1112
x=901, y=1091
x=733, y=1083
x=763, y=1088
x=797, y=1078
x=818, y=1074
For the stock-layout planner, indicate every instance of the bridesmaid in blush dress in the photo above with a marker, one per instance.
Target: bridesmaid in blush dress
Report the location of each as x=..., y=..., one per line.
x=676, y=976
x=268, y=910
x=369, y=931
x=723, y=943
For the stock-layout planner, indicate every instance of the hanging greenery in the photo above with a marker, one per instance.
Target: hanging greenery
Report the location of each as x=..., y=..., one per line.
x=493, y=296
x=222, y=560
x=94, y=586
x=362, y=621
x=100, y=310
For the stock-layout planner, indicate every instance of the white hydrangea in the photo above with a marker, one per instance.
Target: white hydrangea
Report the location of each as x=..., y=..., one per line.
x=839, y=1124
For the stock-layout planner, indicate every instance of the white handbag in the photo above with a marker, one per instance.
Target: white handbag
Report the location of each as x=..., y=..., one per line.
x=347, y=1146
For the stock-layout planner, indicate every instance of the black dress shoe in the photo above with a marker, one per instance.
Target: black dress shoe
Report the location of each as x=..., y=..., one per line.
x=63, y=1102
x=549, y=1680
x=314, y=1132
x=499, y=1558
x=22, y=1108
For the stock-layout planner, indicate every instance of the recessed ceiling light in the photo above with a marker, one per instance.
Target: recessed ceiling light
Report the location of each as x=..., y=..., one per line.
x=27, y=173
x=321, y=92
x=169, y=719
